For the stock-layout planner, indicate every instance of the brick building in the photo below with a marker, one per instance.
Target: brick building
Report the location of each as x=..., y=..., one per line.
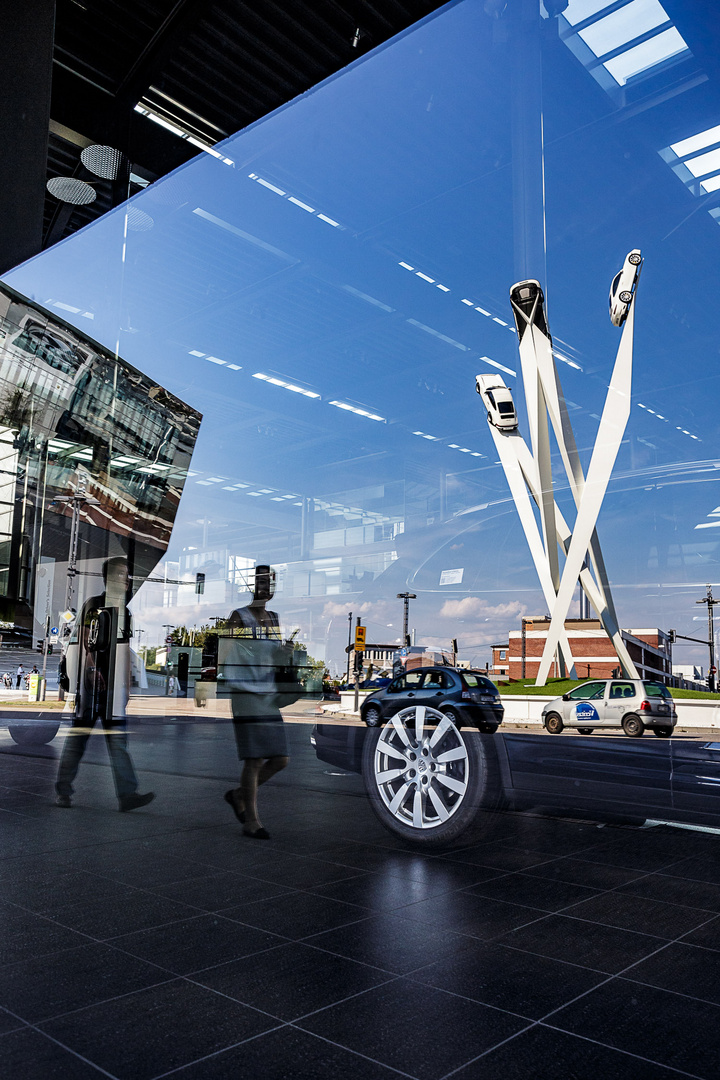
x=592, y=649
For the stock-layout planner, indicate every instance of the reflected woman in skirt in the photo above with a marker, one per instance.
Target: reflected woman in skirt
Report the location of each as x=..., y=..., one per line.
x=250, y=666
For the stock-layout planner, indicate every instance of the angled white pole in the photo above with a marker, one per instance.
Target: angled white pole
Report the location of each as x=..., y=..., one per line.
x=607, y=444
x=510, y=446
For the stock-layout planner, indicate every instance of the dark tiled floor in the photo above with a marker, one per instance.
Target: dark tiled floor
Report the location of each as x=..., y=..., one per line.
x=134, y=946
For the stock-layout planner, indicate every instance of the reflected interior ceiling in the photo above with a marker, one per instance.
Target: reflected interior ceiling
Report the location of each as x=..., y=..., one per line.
x=327, y=290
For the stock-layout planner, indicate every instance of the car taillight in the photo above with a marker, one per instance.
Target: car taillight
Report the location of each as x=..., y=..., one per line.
x=466, y=695
x=645, y=706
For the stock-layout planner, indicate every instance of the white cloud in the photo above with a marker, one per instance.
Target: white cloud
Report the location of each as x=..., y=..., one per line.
x=473, y=607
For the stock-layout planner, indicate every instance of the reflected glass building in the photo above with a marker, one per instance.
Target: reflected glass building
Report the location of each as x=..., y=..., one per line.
x=95, y=456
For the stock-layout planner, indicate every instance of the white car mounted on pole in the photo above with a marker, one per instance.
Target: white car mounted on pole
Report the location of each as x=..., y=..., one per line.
x=529, y=470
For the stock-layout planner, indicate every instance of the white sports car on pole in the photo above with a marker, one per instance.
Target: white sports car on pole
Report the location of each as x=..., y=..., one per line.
x=498, y=401
x=622, y=289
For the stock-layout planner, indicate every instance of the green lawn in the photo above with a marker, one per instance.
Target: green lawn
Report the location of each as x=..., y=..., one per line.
x=556, y=687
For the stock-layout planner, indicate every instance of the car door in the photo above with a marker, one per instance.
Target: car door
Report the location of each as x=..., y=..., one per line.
x=575, y=710
x=622, y=698
x=696, y=779
x=433, y=689
x=402, y=692
x=629, y=777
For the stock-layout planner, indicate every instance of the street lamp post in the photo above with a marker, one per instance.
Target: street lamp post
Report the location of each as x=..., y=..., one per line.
x=168, y=627
x=347, y=673
x=406, y=597
x=711, y=602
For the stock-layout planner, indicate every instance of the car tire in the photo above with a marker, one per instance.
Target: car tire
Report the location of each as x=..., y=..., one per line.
x=553, y=723
x=625, y=297
x=663, y=732
x=33, y=734
x=585, y=730
x=635, y=260
x=372, y=716
x=633, y=726
x=453, y=716
x=415, y=804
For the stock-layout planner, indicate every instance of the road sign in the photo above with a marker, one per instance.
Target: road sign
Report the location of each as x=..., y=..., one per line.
x=67, y=616
x=54, y=631
x=359, y=638
x=169, y=640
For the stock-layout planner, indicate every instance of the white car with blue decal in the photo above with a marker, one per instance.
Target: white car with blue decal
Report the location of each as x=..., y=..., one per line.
x=629, y=704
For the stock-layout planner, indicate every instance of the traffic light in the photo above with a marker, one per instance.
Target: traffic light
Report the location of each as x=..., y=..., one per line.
x=672, y=636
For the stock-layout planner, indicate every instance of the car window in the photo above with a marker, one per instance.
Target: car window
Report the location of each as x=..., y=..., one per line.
x=435, y=680
x=478, y=682
x=414, y=680
x=656, y=689
x=587, y=691
x=615, y=281
x=396, y=685
x=622, y=690
x=491, y=398
x=505, y=407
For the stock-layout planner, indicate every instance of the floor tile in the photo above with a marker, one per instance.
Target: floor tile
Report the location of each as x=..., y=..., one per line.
x=533, y=892
x=676, y=890
x=685, y=969
x=545, y=1054
x=30, y=1055
x=44, y=987
x=302, y=873
x=148, y=1033
x=580, y=872
x=126, y=910
x=291, y=980
x=214, y=891
x=296, y=915
x=393, y=943
x=399, y=1024
x=192, y=944
x=645, y=1021
x=508, y=979
x=8, y=1022
x=503, y=855
x=24, y=935
x=467, y=913
x=603, y=948
x=637, y=913
x=707, y=935
x=380, y=892
x=285, y=1054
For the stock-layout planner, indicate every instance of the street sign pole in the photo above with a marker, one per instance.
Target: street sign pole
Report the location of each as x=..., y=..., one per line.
x=359, y=648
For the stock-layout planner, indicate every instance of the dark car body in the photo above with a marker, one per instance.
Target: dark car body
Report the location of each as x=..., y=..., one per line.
x=469, y=694
x=601, y=777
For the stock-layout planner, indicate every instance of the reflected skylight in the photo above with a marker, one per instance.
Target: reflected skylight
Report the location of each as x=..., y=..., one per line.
x=646, y=55
x=578, y=11
x=624, y=25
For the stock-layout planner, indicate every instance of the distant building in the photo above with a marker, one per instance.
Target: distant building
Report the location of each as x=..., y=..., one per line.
x=592, y=649
x=500, y=661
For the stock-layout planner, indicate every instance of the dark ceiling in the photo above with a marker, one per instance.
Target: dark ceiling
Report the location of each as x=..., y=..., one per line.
x=209, y=68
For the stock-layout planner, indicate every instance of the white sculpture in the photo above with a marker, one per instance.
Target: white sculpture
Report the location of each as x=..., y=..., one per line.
x=529, y=471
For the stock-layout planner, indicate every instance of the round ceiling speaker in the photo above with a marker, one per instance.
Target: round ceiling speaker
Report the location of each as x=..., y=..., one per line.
x=103, y=161
x=70, y=190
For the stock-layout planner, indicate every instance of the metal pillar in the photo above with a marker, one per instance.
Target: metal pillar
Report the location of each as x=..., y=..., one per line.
x=25, y=81
x=406, y=597
x=711, y=602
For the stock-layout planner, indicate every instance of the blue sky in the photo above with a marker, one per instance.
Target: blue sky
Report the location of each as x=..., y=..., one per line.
x=286, y=260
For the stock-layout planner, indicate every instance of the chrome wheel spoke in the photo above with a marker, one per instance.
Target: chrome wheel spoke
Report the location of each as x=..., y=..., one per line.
x=450, y=782
x=386, y=747
x=391, y=774
x=441, y=730
x=400, y=729
x=417, y=814
x=399, y=798
x=458, y=753
x=419, y=723
x=440, y=808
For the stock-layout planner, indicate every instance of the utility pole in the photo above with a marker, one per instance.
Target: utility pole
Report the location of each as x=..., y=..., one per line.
x=77, y=501
x=711, y=602
x=406, y=597
x=347, y=673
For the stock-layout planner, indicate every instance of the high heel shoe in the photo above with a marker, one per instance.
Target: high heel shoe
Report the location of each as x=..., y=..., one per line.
x=229, y=798
x=259, y=834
